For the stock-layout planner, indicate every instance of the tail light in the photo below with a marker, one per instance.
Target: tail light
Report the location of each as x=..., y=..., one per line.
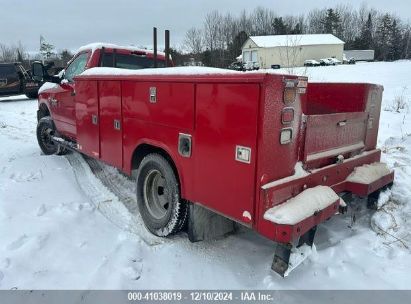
x=290, y=93
x=287, y=116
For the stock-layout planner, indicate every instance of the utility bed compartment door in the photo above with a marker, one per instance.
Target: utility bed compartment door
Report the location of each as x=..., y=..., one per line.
x=111, y=123
x=329, y=135
x=86, y=106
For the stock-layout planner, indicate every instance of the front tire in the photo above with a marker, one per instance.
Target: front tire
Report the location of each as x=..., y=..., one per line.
x=32, y=95
x=46, y=129
x=158, y=196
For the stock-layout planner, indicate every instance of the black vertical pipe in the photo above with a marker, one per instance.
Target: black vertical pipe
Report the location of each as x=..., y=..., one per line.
x=167, y=47
x=155, y=46
x=102, y=56
x=114, y=58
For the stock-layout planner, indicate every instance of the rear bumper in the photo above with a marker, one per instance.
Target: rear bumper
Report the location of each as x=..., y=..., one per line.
x=334, y=176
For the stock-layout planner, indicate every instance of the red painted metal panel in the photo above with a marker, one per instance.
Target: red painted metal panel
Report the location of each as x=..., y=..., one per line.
x=173, y=105
x=325, y=98
x=87, y=106
x=329, y=135
x=288, y=233
x=373, y=109
x=111, y=130
x=366, y=189
x=138, y=132
x=275, y=161
x=226, y=116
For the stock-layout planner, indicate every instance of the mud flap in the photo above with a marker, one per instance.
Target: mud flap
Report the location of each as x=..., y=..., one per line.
x=204, y=224
x=288, y=256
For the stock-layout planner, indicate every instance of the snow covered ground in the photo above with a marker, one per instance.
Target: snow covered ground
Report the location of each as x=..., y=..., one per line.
x=55, y=234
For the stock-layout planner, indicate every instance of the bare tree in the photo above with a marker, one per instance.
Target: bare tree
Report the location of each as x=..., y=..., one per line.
x=350, y=22
x=211, y=29
x=244, y=23
x=261, y=20
x=8, y=53
x=291, y=52
x=314, y=20
x=193, y=40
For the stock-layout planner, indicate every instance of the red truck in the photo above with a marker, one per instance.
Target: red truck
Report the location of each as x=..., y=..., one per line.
x=271, y=152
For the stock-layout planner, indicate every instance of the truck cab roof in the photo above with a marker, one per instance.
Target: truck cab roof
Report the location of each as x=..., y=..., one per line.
x=110, y=46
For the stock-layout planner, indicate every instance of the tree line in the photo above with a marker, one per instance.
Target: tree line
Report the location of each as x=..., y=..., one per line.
x=220, y=38
x=47, y=52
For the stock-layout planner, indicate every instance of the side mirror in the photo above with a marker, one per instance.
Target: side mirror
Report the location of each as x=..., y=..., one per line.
x=38, y=71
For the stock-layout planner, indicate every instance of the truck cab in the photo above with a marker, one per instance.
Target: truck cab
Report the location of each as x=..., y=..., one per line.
x=57, y=96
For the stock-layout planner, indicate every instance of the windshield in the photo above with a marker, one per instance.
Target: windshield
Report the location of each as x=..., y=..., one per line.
x=76, y=67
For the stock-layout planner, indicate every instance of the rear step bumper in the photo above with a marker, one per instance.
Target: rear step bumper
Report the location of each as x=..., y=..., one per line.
x=360, y=175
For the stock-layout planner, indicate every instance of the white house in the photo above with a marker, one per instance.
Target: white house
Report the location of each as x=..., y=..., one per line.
x=291, y=50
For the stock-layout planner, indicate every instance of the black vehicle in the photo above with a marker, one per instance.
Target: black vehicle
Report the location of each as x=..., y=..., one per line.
x=14, y=79
x=237, y=66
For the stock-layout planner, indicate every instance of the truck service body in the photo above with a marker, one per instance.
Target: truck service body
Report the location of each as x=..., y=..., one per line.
x=239, y=144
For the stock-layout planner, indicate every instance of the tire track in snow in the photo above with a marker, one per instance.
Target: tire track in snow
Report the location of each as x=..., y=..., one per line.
x=109, y=193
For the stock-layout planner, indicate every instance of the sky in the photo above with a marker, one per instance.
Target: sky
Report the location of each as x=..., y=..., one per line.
x=73, y=23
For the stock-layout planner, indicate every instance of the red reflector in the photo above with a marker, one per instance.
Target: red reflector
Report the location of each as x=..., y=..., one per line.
x=287, y=115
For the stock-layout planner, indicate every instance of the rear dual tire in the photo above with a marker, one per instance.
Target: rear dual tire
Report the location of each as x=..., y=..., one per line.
x=158, y=196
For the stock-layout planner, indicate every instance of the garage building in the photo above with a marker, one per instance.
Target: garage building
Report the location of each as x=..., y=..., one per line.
x=291, y=50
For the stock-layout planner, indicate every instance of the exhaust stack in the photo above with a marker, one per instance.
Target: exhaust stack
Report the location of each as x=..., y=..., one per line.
x=155, y=46
x=167, y=47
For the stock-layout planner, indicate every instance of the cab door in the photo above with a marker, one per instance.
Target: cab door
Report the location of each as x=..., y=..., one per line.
x=64, y=96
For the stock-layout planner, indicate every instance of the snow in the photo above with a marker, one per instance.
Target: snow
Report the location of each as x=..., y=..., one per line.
x=298, y=172
x=298, y=255
x=52, y=235
x=369, y=173
x=98, y=45
x=186, y=70
x=297, y=40
x=48, y=86
x=247, y=215
x=302, y=206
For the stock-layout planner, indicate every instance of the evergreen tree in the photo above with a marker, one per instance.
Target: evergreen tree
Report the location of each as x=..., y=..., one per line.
x=395, y=42
x=383, y=37
x=297, y=29
x=279, y=27
x=365, y=40
x=46, y=49
x=235, y=48
x=331, y=23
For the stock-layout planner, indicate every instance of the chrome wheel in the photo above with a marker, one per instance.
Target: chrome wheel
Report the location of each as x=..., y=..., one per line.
x=155, y=194
x=158, y=196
